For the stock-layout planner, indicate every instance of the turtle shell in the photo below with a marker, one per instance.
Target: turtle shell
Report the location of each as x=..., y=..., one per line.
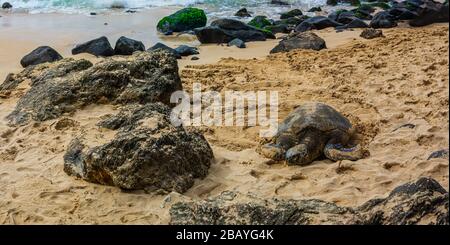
x=314, y=115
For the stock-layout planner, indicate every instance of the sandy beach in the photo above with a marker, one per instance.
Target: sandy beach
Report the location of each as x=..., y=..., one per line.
x=381, y=85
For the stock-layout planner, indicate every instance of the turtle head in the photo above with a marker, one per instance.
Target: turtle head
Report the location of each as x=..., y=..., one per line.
x=298, y=155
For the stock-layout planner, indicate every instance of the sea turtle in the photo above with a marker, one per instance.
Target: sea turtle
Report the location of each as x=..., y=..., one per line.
x=309, y=131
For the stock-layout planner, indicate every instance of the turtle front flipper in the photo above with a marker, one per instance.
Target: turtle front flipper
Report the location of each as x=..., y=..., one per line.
x=337, y=152
x=273, y=151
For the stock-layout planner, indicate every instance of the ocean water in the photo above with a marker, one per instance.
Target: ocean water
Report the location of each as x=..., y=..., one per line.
x=217, y=6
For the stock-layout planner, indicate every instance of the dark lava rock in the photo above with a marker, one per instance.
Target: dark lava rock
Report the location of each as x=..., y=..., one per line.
x=40, y=55
x=305, y=40
x=242, y=13
x=439, y=154
x=97, y=47
x=92, y=13
x=383, y=20
x=315, y=9
x=182, y=20
x=225, y=30
x=6, y=5
x=279, y=2
x=371, y=33
x=291, y=13
x=162, y=46
x=281, y=28
x=317, y=23
x=185, y=50
x=195, y=58
x=431, y=13
x=420, y=202
x=148, y=152
x=292, y=21
x=127, y=46
x=355, y=23
x=403, y=13
x=332, y=2
x=260, y=21
x=346, y=17
x=237, y=42
x=69, y=85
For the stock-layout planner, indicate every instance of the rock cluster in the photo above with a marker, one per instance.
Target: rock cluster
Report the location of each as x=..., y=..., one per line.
x=422, y=202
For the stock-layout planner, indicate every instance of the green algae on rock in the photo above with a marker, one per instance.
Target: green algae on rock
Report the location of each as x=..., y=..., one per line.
x=182, y=20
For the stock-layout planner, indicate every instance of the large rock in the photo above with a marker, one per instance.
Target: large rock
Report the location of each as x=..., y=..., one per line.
x=431, y=13
x=260, y=21
x=97, y=47
x=316, y=23
x=291, y=13
x=355, y=23
x=182, y=20
x=383, y=20
x=185, y=50
x=243, y=13
x=421, y=202
x=403, y=13
x=304, y=40
x=69, y=85
x=225, y=30
x=147, y=152
x=127, y=46
x=6, y=5
x=237, y=42
x=161, y=46
x=40, y=55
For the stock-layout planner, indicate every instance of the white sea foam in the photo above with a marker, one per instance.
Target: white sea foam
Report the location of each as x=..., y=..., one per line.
x=38, y=6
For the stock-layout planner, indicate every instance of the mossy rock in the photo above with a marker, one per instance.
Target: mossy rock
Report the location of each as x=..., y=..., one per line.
x=183, y=20
x=260, y=22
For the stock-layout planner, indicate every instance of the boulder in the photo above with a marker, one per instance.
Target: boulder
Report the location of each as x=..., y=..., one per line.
x=346, y=17
x=279, y=2
x=225, y=30
x=431, y=13
x=317, y=23
x=147, y=152
x=383, y=20
x=295, y=21
x=97, y=47
x=281, y=28
x=40, y=55
x=185, y=50
x=127, y=46
x=304, y=40
x=371, y=33
x=161, y=46
x=402, y=13
x=422, y=202
x=182, y=20
x=260, y=22
x=6, y=5
x=68, y=85
x=243, y=13
x=291, y=13
x=315, y=9
x=237, y=42
x=355, y=23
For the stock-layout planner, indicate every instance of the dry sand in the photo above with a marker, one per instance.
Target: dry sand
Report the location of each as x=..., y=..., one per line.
x=380, y=84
